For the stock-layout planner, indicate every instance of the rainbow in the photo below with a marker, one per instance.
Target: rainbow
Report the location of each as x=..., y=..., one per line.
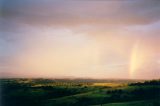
x=134, y=60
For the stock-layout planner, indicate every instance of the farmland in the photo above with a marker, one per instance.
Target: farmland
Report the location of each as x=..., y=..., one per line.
x=79, y=92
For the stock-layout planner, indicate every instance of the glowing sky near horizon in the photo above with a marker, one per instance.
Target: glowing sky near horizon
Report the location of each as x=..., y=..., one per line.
x=93, y=39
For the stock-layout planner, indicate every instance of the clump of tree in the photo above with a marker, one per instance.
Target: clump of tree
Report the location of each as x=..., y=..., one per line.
x=151, y=82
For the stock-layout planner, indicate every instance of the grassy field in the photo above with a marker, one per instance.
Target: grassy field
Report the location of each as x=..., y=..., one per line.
x=135, y=103
x=79, y=92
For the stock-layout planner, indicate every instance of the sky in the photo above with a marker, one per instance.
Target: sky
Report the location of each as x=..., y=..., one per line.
x=80, y=39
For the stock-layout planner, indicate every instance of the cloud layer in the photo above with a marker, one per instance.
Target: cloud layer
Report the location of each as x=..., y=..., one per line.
x=69, y=13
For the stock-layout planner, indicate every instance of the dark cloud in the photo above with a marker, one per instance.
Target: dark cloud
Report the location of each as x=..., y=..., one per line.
x=69, y=13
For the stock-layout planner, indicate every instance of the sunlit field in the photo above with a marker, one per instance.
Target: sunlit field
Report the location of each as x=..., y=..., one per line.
x=80, y=92
x=109, y=84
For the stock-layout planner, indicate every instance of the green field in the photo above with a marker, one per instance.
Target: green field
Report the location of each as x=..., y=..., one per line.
x=135, y=103
x=79, y=92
